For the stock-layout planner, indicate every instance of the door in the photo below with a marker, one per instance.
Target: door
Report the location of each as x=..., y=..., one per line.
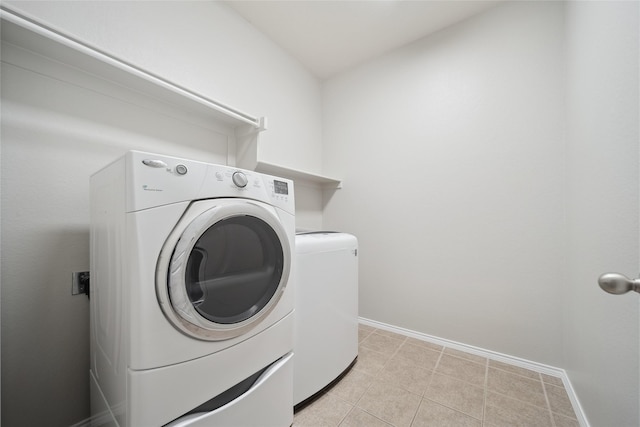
x=224, y=268
x=601, y=339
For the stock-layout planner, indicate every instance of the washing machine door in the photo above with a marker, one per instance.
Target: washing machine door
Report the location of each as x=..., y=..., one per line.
x=224, y=268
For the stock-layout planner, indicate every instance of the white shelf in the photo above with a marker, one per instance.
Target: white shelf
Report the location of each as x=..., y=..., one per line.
x=298, y=175
x=35, y=37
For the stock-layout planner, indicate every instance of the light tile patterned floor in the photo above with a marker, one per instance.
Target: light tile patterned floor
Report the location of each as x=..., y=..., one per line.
x=401, y=382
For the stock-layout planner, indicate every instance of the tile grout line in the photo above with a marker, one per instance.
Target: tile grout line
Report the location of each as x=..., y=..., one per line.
x=439, y=359
x=485, y=392
x=424, y=392
x=404, y=341
x=512, y=372
x=375, y=378
x=526, y=402
x=373, y=415
x=433, y=371
x=346, y=415
x=458, y=410
x=546, y=398
x=355, y=404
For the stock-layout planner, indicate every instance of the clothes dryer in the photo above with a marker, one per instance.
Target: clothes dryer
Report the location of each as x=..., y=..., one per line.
x=191, y=294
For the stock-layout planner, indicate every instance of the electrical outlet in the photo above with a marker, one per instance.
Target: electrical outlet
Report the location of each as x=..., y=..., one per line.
x=80, y=283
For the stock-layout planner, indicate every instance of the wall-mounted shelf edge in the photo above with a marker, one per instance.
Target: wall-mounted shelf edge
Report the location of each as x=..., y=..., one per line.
x=298, y=175
x=41, y=39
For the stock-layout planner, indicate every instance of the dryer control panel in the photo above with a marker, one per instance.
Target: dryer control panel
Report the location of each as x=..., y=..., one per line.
x=155, y=180
x=226, y=181
x=280, y=187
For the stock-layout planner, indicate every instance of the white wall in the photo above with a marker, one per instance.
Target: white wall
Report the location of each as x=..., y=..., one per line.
x=54, y=135
x=451, y=151
x=601, y=330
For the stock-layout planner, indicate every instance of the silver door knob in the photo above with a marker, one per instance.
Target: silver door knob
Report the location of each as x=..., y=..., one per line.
x=618, y=284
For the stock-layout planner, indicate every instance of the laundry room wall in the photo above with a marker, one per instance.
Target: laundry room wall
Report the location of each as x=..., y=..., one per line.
x=451, y=151
x=55, y=134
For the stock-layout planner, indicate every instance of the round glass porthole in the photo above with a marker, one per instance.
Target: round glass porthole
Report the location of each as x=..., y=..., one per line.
x=228, y=269
x=234, y=269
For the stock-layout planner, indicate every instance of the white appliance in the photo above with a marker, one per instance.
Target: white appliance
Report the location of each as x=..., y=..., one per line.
x=191, y=294
x=326, y=323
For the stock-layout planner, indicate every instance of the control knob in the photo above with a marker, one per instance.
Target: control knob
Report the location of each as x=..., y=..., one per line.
x=239, y=179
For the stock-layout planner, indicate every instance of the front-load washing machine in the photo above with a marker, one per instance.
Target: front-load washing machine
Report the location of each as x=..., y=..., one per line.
x=191, y=296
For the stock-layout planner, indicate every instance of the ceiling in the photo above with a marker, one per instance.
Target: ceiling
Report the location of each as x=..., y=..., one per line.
x=332, y=36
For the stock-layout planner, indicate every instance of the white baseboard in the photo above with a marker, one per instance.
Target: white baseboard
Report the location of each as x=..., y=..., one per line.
x=493, y=355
